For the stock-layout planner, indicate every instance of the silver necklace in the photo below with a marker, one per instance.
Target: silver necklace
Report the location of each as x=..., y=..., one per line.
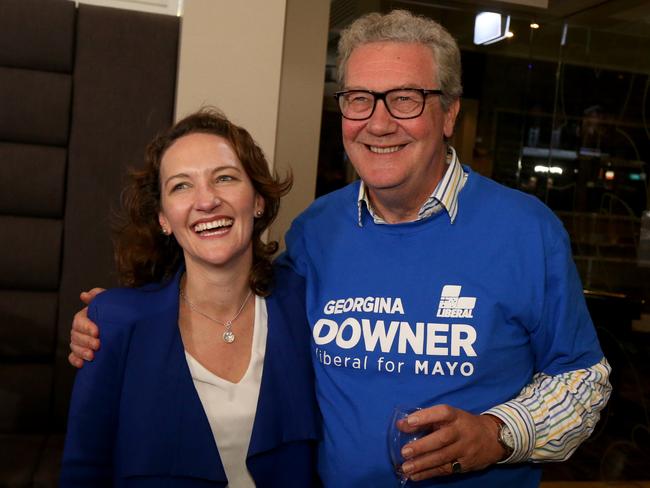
x=228, y=335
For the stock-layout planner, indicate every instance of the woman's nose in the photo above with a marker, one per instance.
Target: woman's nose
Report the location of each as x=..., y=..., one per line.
x=207, y=199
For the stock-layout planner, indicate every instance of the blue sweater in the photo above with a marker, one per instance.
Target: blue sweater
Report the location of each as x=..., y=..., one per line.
x=431, y=312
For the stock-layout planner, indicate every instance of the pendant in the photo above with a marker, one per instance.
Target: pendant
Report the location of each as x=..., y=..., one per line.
x=228, y=337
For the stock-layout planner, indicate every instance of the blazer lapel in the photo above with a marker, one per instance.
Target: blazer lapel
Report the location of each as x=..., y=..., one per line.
x=268, y=426
x=180, y=442
x=286, y=408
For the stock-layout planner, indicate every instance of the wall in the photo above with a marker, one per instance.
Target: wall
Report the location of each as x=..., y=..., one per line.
x=262, y=62
x=168, y=7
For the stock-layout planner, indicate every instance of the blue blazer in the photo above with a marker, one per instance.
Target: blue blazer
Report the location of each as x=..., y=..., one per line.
x=136, y=419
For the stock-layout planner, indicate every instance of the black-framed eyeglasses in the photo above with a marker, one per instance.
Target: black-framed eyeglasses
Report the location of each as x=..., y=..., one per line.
x=401, y=103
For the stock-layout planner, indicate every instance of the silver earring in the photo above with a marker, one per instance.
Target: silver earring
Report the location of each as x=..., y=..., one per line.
x=259, y=213
x=164, y=231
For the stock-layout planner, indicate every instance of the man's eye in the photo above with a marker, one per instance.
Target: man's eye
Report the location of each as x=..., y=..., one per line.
x=359, y=99
x=403, y=97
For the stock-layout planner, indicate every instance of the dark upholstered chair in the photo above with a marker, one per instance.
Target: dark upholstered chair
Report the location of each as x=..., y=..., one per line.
x=82, y=90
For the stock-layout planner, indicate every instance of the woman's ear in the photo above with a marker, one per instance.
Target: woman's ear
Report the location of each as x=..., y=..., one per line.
x=259, y=205
x=164, y=224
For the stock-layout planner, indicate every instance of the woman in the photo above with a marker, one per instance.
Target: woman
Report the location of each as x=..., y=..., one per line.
x=204, y=378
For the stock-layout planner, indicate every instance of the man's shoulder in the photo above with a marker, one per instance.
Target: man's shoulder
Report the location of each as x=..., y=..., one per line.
x=504, y=200
x=342, y=200
x=331, y=213
x=287, y=284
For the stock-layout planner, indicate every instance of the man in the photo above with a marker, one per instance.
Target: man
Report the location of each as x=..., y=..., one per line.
x=431, y=286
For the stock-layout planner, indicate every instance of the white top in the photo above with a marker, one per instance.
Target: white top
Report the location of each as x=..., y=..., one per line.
x=230, y=407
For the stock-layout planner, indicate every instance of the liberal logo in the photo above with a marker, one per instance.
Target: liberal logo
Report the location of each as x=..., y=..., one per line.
x=453, y=305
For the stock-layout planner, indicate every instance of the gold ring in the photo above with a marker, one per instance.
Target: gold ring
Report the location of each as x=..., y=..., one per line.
x=456, y=468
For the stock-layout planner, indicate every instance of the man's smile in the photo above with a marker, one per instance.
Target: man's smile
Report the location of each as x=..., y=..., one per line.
x=385, y=150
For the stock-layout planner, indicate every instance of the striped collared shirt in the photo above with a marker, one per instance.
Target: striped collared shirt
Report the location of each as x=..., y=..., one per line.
x=552, y=415
x=444, y=197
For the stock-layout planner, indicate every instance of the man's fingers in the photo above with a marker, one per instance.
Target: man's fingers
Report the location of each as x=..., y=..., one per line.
x=82, y=353
x=88, y=296
x=462, y=439
x=432, y=415
x=443, y=470
x=437, y=462
x=75, y=361
x=435, y=441
x=83, y=341
x=403, y=425
x=83, y=325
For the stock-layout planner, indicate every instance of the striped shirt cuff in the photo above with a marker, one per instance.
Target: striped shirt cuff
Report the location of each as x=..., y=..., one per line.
x=521, y=424
x=553, y=415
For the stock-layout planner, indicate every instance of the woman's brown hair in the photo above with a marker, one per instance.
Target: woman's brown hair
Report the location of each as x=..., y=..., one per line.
x=143, y=254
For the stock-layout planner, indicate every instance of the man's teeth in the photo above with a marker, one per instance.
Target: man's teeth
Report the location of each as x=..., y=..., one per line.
x=215, y=224
x=384, y=150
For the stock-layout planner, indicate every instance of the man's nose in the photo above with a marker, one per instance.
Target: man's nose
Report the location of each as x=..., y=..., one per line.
x=381, y=121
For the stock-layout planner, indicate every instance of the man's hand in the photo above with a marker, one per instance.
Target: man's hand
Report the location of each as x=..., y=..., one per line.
x=84, y=335
x=458, y=437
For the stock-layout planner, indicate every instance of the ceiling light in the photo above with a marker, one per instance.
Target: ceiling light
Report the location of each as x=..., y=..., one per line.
x=548, y=169
x=490, y=27
x=534, y=25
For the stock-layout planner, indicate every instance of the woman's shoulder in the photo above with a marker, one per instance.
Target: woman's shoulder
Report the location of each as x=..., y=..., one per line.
x=124, y=305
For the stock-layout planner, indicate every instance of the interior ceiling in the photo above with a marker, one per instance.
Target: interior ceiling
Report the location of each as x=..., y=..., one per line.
x=611, y=34
x=597, y=14
x=622, y=16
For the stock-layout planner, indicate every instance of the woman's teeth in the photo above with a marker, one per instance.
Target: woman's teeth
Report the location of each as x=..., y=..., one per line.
x=215, y=224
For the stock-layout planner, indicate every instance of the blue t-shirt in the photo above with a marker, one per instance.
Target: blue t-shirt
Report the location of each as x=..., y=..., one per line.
x=431, y=312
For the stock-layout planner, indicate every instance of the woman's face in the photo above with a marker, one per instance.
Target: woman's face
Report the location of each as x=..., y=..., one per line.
x=207, y=201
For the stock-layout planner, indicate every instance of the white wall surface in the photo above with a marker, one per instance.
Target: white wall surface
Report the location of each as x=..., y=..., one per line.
x=231, y=57
x=263, y=63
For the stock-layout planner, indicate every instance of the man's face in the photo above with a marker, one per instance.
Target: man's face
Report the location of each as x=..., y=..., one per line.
x=401, y=161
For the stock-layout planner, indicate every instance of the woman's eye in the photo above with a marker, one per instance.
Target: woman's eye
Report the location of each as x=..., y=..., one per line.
x=225, y=178
x=179, y=186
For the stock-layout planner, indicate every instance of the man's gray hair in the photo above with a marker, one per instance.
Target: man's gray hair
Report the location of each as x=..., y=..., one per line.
x=403, y=26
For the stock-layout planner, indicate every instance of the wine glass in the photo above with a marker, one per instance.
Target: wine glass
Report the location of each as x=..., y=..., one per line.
x=398, y=439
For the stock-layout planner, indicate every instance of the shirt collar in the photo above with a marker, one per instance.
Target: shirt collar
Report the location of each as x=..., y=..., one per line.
x=444, y=197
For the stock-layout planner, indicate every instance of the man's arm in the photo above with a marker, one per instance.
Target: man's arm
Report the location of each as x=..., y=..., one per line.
x=553, y=415
x=557, y=410
x=549, y=419
x=84, y=334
